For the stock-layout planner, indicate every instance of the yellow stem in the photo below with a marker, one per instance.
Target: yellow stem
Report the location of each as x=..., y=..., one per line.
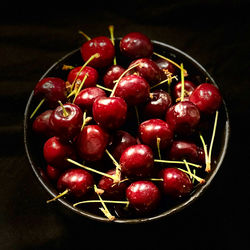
x=36, y=109
x=58, y=196
x=84, y=34
x=182, y=83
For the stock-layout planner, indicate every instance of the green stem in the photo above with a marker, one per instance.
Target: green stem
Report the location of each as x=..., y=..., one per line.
x=36, y=109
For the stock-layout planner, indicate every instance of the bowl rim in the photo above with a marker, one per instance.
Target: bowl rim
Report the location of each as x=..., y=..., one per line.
x=166, y=213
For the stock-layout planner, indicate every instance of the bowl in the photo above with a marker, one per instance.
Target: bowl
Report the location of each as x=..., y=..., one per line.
x=34, y=145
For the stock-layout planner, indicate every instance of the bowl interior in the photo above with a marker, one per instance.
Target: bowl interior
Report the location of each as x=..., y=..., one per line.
x=34, y=144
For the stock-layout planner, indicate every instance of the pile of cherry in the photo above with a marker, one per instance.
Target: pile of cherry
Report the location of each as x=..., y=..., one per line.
x=122, y=136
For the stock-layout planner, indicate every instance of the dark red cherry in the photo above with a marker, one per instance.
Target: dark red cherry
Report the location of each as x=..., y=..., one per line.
x=53, y=173
x=113, y=191
x=137, y=161
x=53, y=89
x=120, y=141
x=188, y=86
x=206, y=97
x=41, y=124
x=166, y=68
x=183, y=117
x=157, y=105
x=111, y=75
x=110, y=112
x=189, y=151
x=56, y=152
x=66, y=126
x=86, y=98
x=78, y=181
x=92, y=142
x=133, y=89
x=147, y=69
x=101, y=45
x=152, y=129
x=136, y=45
x=143, y=196
x=77, y=75
x=176, y=184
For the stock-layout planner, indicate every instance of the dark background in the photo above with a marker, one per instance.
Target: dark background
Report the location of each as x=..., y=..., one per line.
x=33, y=36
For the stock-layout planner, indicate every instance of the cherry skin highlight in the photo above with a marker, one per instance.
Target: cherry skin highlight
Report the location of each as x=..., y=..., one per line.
x=188, y=86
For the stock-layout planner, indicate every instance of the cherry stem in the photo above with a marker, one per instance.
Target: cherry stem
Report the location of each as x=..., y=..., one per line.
x=158, y=142
x=80, y=87
x=111, y=30
x=36, y=109
x=200, y=180
x=101, y=87
x=58, y=196
x=182, y=83
x=177, y=162
x=188, y=168
x=125, y=72
x=98, y=201
x=169, y=60
x=85, y=119
x=208, y=163
x=84, y=34
x=67, y=67
x=118, y=167
x=91, y=169
x=169, y=80
x=65, y=113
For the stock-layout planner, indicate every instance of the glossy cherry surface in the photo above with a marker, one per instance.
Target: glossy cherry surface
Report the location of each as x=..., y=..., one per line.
x=133, y=89
x=137, y=161
x=78, y=181
x=136, y=45
x=67, y=126
x=166, y=68
x=183, y=117
x=176, y=183
x=52, y=89
x=101, y=45
x=86, y=98
x=143, y=196
x=112, y=74
x=188, y=87
x=92, y=142
x=56, y=152
x=207, y=98
x=152, y=129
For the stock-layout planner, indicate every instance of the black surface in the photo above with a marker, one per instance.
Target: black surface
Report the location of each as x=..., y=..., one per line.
x=215, y=33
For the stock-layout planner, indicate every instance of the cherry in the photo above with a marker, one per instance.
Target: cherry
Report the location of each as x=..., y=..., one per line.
x=137, y=161
x=78, y=74
x=207, y=98
x=87, y=96
x=136, y=45
x=78, y=182
x=91, y=143
x=186, y=150
x=53, y=173
x=188, y=86
x=52, y=89
x=158, y=104
x=176, y=183
x=101, y=45
x=41, y=124
x=147, y=69
x=120, y=141
x=143, y=196
x=110, y=112
x=166, y=68
x=56, y=152
x=133, y=89
x=183, y=117
x=66, y=121
x=115, y=191
x=112, y=74
x=151, y=130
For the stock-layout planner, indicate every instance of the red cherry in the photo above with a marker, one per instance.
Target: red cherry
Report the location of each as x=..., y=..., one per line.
x=152, y=129
x=112, y=74
x=53, y=173
x=110, y=112
x=56, y=152
x=41, y=124
x=188, y=86
x=91, y=143
x=133, y=89
x=136, y=45
x=66, y=126
x=101, y=45
x=77, y=181
x=166, y=67
x=86, y=98
x=53, y=89
x=143, y=196
x=176, y=183
x=183, y=117
x=158, y=104
x=206, y=97
x=90, y=81
x=137, y=161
